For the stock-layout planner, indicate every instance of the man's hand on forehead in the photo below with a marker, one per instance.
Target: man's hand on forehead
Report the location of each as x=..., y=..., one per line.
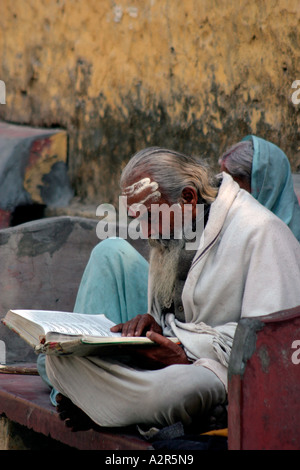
x=142, y=190
x=139, y=186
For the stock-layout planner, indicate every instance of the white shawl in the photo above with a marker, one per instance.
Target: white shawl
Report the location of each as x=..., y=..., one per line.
x=247, y=264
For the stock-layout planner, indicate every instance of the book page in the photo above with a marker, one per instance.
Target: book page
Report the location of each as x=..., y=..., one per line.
x=70, y=323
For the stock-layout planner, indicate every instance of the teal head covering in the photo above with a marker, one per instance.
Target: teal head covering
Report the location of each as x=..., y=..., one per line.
x=272, y=182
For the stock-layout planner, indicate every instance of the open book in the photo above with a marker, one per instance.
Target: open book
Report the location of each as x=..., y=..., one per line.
x=51, y=332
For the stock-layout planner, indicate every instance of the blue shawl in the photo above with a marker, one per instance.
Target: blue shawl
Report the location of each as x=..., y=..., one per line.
x=272, y=183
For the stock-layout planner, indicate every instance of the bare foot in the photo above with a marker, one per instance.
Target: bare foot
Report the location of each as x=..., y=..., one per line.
x=74, y=417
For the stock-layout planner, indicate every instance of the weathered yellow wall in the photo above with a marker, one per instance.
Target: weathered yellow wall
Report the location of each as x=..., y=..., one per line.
x=194, y=75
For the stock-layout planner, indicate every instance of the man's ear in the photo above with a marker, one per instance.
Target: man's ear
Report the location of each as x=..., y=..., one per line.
x=189, y=196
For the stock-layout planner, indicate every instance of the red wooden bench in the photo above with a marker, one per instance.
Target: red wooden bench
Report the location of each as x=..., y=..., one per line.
x=29, y=421
x=264, y=383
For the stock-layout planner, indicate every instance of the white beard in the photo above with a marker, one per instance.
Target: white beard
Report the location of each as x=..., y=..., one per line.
x=164, y=258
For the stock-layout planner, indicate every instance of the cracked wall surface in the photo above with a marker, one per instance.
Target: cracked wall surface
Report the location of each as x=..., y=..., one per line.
x=196, y=76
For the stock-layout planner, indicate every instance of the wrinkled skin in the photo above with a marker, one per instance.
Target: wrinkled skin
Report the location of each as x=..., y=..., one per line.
x=164, y=353
x=75, y=419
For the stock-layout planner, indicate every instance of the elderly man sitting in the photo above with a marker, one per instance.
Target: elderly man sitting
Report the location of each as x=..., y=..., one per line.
x=246, y=263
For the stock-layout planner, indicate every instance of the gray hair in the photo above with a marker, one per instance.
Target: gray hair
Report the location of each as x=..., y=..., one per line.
x=238, y=159
x=173, y=171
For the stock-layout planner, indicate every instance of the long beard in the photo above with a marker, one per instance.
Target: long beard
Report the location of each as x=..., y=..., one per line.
x=164, y=258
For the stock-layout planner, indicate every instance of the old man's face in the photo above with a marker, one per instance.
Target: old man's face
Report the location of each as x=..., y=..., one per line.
x=144, y=200
x=161, y=222
x=158, y=218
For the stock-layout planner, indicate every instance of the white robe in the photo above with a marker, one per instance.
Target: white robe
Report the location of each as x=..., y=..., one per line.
x=248, y=264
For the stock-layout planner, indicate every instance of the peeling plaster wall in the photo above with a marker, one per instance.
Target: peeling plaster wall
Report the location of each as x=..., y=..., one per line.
x=194, y=75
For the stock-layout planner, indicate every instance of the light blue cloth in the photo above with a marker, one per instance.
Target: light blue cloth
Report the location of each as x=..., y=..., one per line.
x=272, y=182
x=115, y=282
